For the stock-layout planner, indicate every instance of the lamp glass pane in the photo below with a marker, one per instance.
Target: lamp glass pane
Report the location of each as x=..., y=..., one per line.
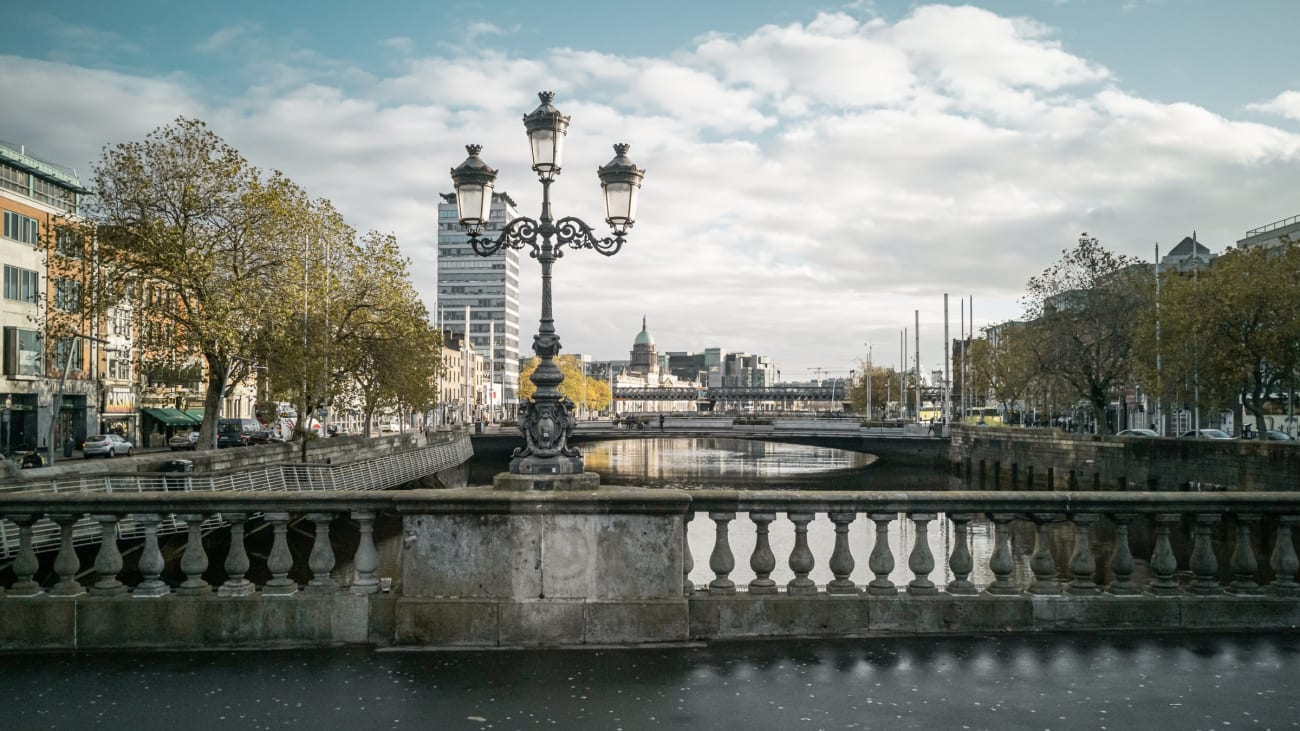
x=472, y=202
x=618, y=202
x=544, y=148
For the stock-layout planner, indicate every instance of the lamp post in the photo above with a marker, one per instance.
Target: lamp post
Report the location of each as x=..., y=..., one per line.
x=57, y=403
x=546, y=420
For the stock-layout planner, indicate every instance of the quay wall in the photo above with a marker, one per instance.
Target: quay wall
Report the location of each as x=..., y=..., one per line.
x=1005, y=458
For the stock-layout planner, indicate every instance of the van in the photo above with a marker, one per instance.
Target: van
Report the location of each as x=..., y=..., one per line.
x=237, y=432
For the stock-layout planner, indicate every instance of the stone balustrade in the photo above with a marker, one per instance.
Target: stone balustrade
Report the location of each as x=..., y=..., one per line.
x=613, y=566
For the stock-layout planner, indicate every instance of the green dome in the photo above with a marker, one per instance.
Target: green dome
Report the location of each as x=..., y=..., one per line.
x=643, y=337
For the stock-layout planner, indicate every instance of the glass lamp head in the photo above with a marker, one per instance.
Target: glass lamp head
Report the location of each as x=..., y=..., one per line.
x=546, y=130
x=620, y=179
x=473, y=180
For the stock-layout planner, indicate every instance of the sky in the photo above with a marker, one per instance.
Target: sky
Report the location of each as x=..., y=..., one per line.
x=816, y=172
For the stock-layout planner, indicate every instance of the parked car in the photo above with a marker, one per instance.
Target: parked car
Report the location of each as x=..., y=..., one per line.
x=1277, y=436
x=109, y=445
x=1138, y=433
x=184, y=441
x=1206, y=434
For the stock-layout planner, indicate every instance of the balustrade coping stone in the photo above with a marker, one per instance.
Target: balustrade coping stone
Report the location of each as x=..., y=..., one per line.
x=625, y=499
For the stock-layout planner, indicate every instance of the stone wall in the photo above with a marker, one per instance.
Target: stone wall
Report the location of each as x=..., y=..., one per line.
x=994, y=458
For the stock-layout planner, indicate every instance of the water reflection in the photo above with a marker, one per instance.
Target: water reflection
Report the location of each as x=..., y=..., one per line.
x=693, y=463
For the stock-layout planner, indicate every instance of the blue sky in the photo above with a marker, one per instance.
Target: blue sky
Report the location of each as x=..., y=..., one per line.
x=816, y=170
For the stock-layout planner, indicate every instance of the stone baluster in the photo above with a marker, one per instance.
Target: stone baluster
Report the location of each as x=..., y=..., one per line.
x=921, y=560
x=1163, y=562
x=151, y=559
x=688, y=561
x=721, y=561
x=841, y=563
x=881, y=561
x=961, y=561
x=801, y=556
x=321, y=559
x=1041, y=562
x=195, y=560
x=1121, y=561
x=367, y=558
x=1082, y=565
x=280, y=559
x=1244, y=564
x=25, y=563
x=1283, y=560
x=66, y=562
x=236, y=560
x=108, y=561
x=762, y=560
x=1000, y=562
x=1203, y=562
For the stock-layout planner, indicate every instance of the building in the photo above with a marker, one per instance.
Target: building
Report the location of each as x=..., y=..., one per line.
x=46, y=267
x=644, y=359
x=487, y=286
x=1189, y=254
x=462, y=389
x=1273, y=234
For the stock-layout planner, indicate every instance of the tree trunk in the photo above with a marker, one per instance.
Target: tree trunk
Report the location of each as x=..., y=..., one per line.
x=212, y=402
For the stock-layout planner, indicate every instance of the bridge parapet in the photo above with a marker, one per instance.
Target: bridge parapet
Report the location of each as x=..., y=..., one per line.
x=486, y=568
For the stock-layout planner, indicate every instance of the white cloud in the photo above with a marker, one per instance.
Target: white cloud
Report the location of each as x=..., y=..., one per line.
x=223, y=38
x=808, y=185
x=1286, y=104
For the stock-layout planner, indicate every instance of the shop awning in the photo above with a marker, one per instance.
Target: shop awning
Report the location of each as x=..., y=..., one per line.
x=195, y=414
x=171, y=417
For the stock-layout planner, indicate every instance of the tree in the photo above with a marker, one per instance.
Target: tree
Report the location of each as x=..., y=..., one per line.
x=583, y=391
x=1003, y=364
x=1082, y=312
x=884, y=390
x=197, y=233
x=1229, y=332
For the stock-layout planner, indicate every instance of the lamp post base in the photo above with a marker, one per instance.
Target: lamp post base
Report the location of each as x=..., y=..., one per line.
x=554, y=482
x=557, y=465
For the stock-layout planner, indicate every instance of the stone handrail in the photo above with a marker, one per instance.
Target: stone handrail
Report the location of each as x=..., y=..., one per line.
x=508, y=588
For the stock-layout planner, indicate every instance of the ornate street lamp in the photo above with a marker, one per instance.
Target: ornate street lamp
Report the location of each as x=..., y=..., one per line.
x=547, y=420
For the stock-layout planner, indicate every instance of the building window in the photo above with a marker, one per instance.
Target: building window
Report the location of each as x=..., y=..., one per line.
x=62, y=347
x=52, y=194
x=69, y=243
x=22, y=285
x=21, y=228
x=119, y=366
x=11, y=178
x=67, y=295
x=22, y=352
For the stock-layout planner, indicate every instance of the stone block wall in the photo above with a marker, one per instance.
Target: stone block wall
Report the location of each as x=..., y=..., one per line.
x=1040, y=459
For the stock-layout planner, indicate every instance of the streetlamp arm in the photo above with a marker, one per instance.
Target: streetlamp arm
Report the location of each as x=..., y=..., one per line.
x=576, y=233
x=517, y=234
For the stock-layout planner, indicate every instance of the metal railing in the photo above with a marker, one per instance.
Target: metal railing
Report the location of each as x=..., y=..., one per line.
x=380, y=473
x=1273, y=226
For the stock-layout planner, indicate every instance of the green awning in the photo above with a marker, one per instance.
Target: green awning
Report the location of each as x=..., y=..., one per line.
x=195, y=414
x=171, y=417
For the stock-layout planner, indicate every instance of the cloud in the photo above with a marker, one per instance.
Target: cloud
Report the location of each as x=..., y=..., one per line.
x=224, y=38
x=809, y=185
x=1286, y=104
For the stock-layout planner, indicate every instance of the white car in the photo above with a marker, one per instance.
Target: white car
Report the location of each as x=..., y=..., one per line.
x=184, y=441
x=109, y=445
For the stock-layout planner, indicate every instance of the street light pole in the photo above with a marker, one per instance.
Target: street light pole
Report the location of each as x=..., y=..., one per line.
x=547, y=420
x=57, y=402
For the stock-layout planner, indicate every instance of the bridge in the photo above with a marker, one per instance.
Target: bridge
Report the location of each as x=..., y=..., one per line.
x=744, y=394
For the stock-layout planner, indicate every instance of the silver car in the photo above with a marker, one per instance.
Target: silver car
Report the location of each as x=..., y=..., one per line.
x=109, y=445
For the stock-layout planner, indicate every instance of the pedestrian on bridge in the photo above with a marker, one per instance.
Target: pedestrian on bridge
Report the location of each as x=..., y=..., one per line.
x=661, y=422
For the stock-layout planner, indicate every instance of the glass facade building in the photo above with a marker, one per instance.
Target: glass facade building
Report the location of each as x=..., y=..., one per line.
x=488, y=286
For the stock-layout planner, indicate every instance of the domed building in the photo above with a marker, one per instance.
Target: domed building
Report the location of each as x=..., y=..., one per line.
x=644, y=359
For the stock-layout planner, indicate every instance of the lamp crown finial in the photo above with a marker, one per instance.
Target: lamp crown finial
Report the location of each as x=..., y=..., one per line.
x=473, y=150
x=546, y=96
x=621, y=148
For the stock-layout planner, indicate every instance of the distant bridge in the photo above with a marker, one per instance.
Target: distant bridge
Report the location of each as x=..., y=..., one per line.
x=736, y=394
